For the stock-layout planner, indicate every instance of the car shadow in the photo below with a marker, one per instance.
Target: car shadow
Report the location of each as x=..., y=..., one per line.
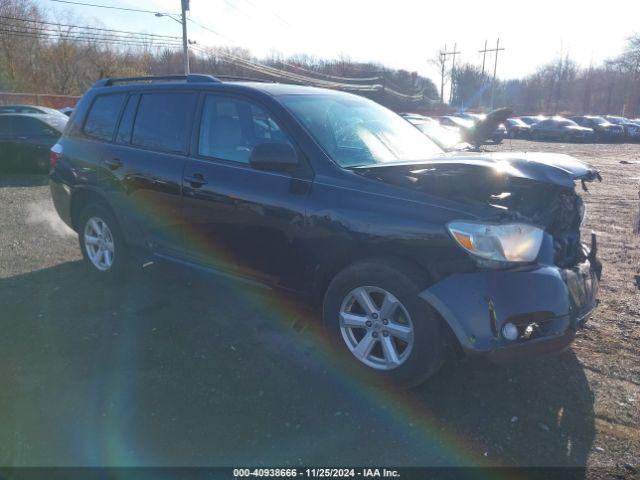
x=169, y=368
x=531, y=413
x=23, y=180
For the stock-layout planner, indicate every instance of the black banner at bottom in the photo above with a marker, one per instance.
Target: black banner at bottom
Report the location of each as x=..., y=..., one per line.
x=397, y=473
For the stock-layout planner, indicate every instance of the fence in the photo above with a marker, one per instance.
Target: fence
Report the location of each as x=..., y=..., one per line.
x=41, y=99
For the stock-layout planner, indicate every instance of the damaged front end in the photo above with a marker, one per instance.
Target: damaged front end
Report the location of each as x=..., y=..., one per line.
x=516, y=301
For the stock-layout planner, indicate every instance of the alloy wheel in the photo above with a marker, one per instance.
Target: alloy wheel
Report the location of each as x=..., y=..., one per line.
x=376, y=327
x=98, y=243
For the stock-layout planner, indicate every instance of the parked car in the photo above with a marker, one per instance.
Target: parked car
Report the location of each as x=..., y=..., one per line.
x=456, y=122
x=25, y=140
x=532, y=119
x=561, y=129
x=516, y=128
x=339, y=200
x=604, y=130
x=631, y=129
x=476, y=128
x=447, y=138
x=474, y=117
x=30, y=109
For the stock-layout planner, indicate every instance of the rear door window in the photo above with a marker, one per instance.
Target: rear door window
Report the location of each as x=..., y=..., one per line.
x=103, y=116
x=163, y=121
x=30, y=127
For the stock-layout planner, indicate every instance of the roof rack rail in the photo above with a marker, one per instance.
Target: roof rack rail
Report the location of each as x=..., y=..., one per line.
x=191, y=78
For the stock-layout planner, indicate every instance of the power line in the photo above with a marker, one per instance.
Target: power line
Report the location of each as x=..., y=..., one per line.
x=112, y=7
x=332, y=77
x=211, y=30
x=273, y=12
x=277, y=73
x=325, y=75
x=92, y=35
x=296, y=77
x=43, y=30
x=84, y=39
x=28, y=20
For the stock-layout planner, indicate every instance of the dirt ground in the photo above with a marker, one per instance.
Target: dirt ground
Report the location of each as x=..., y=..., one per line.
x=609, y=348
x=176, y=370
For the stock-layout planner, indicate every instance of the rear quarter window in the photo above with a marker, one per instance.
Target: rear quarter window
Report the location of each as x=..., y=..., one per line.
x=103, y=116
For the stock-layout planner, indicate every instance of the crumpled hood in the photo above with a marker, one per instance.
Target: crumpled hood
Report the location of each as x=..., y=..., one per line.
x=551, y=168
x=537, y=188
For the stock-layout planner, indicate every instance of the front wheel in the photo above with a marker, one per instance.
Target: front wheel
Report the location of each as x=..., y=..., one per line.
x=102, y=244
x=372, y=310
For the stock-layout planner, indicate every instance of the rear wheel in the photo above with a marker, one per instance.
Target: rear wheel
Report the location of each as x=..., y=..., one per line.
x=372, y=310
x=102, y=244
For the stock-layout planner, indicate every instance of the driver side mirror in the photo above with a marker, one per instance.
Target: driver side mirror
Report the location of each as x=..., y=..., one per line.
x=274, y=157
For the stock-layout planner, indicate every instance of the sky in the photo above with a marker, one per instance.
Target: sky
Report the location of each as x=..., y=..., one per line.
x=400, y=33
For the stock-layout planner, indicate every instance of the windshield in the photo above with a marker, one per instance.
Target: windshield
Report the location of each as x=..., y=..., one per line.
x=58, y=122
x=355, y=131
x=599, y=120
x=566, y=123
x=446, y=138
x=516, y=122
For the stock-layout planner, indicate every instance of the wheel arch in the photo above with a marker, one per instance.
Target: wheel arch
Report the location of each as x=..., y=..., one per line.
x=422, y=276
x=83, y=197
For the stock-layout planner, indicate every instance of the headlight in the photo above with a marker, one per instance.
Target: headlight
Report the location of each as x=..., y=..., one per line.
x=511, y=242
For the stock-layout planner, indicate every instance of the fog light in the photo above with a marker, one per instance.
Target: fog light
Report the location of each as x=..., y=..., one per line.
x=510, y=331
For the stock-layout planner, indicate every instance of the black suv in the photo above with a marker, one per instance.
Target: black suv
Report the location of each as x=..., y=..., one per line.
x=406, y=249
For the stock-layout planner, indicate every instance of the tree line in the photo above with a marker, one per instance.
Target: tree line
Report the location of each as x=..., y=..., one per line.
x=42, y=53
x=559, y=87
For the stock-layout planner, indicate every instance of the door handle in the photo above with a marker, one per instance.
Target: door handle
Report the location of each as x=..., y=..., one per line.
x=196, y=180
x=22, y=138
x=113, y=163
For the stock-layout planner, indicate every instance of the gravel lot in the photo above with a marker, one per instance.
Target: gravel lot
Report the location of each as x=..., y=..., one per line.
x=177, y=369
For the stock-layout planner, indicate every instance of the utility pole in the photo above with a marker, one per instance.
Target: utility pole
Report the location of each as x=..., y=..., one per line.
x=184, y=4
x=453, y=66
x=484, y=60
x=484, y=57
x=185, y=42
x=495, y=68
x=443, y=61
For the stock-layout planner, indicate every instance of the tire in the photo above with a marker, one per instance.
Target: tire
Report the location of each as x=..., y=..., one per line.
x=535, y=136
x=566, y=138
x=416, y=359
x=92, y=222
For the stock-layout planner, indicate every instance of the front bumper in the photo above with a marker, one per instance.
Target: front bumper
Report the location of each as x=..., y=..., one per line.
x=547, y=304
